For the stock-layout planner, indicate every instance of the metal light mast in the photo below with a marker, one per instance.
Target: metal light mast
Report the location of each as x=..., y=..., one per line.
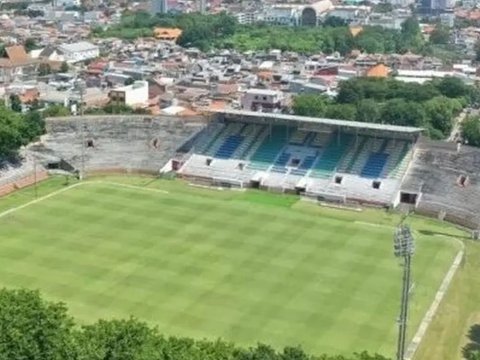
x=403, y=247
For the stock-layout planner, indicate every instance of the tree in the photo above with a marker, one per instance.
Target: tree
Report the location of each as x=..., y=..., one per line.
x=403, y=113
x=56, y=110
x=452, y=87
x=30, y=44
x=10, y=136
x=471, y=351
x=474, y=355
x=367, y=111
x=471, y=130
x=33, y=328
x=15, y=103
x=64, y=67
x=411, y=35
x=34, y=125
x=441, y=111
x=334, y=21
x=117, y=339
x=440, y=35
x=350, y=91
x=341, y=111
x=129, y=81
x=44, y=69
x=309, y=105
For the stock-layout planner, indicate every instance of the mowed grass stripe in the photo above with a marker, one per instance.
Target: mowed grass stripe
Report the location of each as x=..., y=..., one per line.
x=211, y=266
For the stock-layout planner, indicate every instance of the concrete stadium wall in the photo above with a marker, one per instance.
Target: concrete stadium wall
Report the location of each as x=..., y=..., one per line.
x=23, y=182
x=434, y=173
x=124, y=142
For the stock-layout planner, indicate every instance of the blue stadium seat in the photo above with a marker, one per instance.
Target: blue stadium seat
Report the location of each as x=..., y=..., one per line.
x=269, y=149
x=331, y=156
x=307, y=162
x=374, y=165
x=283, y=159
x=229, y=146
x=304, y=166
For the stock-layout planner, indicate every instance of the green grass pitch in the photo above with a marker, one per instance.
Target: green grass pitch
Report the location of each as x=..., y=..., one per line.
x=244, y=266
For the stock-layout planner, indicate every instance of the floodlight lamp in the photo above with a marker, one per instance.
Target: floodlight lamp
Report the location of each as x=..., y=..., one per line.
x=403, y=244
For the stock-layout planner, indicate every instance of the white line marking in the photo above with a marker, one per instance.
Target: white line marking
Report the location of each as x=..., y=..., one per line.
x=359, y=222
x=32, y=202
x=432, y=310
x=16, y=208
x=127, y=186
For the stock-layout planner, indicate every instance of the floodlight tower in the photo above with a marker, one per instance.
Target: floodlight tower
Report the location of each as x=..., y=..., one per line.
x=403, y=247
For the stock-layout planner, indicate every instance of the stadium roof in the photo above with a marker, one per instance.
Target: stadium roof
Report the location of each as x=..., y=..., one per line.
x=321, y=121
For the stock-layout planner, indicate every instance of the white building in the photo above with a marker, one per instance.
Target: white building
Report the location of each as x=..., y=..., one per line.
x=67, y=3
x=131, y=95
x=249, y=17
x=159, y=7
x=283, y=14
x=393, y=22
x=264, y=100
x=79, y=51
x=350, y=12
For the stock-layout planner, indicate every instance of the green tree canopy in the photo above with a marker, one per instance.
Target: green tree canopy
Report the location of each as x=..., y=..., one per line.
x=367, y=111
x=15, y=103
x=32, y=328
x=404, y=113
x=56, y=110
x=17, y=130
x=452, y=87
x=441, y=111
x=44, y=69
x=64, y=67
x=309, y=105
x=471, y=130
x=440, y=35
x=30, y=44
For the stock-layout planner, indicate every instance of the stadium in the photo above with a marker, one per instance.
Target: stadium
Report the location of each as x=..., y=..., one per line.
x=260, y=263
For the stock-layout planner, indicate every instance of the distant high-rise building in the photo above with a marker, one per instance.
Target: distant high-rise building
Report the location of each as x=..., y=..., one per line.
x=159, y=6
x=203, y=6
x=435, y=7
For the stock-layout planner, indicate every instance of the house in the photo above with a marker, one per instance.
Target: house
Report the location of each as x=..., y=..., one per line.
x=378, y=71
x=80, y=51
x=264, y=100
x=167, y=34
x=51, y=53
x=131, y=95
x=16, y=64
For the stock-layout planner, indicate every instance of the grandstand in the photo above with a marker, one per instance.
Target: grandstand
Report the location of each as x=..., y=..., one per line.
x=114, y=143
x=443, y=181
x=332, y=160
x=328, y=160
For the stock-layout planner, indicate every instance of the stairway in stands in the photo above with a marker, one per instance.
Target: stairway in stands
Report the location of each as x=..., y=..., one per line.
x=331, y=156
x=270, y=148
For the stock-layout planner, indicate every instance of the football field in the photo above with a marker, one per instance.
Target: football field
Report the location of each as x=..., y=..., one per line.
x=245, y=266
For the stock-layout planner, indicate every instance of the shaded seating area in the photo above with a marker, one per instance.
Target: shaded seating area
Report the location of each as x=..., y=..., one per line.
x=374, y=165
x=269, y=149
x=332, y=155
x=229, y=146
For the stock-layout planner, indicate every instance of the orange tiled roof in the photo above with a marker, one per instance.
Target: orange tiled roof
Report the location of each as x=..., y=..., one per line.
x=379, y=70
x=355, y=30
x=188, y=112
x=170, y=33
x=16, y=54
x=217, y=105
